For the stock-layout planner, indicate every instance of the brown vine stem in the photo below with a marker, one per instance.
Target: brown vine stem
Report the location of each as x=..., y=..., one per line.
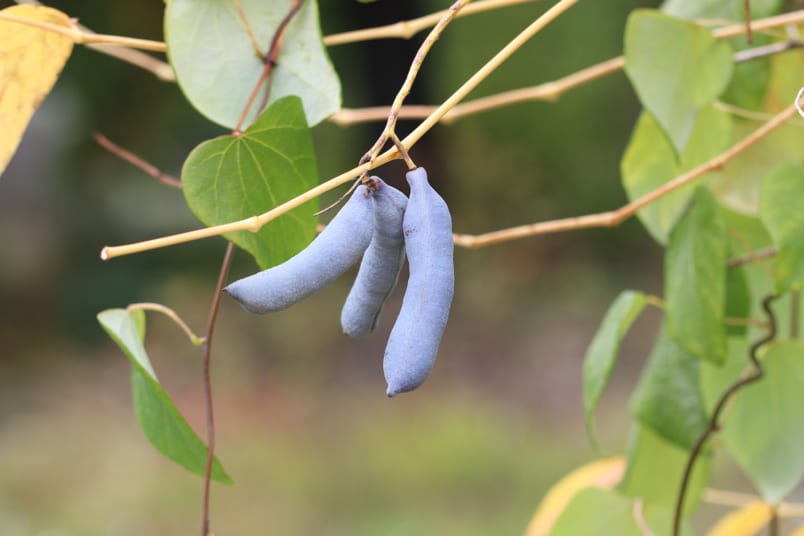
x=255, y=223
x=408, y=28
x=269, y=60
x=752, y=256
x=553, y=90
x=714, y=421
x=393, y=114
x=749, y=36
x=209, y=410
x=136, y=161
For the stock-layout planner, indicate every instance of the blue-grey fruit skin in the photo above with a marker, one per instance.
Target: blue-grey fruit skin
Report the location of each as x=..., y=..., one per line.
x=413, y=344
x=338, y=247
x=379, y=269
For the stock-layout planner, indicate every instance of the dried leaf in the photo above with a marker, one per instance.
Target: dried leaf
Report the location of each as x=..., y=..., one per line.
x=31, y=59
x=603, y=474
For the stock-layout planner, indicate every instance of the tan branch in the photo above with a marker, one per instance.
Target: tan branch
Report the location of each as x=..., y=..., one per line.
x=616, y=217
x=548, y=91
x=408, y=28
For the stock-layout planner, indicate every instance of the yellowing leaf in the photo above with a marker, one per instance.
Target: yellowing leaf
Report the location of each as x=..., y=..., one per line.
x=743, y=522
x=603, y=474
x=31, y=59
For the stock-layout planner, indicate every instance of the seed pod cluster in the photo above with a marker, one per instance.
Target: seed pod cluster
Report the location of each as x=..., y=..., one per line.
x=383, y=225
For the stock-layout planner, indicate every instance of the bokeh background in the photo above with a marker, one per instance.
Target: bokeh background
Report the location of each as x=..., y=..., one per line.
x=303, y=425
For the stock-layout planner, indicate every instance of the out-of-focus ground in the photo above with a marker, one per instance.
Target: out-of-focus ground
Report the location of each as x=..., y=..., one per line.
x=303, y=425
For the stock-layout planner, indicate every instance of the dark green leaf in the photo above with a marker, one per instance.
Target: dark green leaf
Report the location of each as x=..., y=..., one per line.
x=668, y=396
x=235, y=177
x=676, y=67
x=596, y=512
x=655, y=468
x=650, y=161
x=695, y=279
x=782, y=213
x=604, y=350
x=159, y=419
x=764, y=430
x=217, y=67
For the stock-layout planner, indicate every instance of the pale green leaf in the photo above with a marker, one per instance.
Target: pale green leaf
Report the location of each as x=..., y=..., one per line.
x=159, y=419
x=676, y=67
x=695, y=279
x=235, y=177
x=765, y=426
x=650, y=161
x=782, y=212
x=604, y=350
x=217, y=67
x=668, y=396
x=655, y=469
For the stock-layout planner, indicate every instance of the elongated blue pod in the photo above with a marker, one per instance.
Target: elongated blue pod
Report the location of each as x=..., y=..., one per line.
x=416, y=335
x=379, y=269
x=338, y=247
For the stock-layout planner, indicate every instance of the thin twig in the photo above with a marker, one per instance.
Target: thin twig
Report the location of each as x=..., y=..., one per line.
x=751, y=257
x=170, y=313
x=749, y=36
x=798, y=102
x=616, y=217
x=408, y=28
x=755, y=53
x=213, y=314
x=753, y=115
x=84, y=38
x=639, y=518
x=404, y=91
x=144, y=61
x=734, y=499
x=136, y=161
x=714, y=421
x=549, y=91
x=752, y=322
x=255, y=223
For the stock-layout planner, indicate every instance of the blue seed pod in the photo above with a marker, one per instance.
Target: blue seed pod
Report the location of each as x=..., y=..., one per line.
x=379, y=269
x=338, y=247
x=414, y=340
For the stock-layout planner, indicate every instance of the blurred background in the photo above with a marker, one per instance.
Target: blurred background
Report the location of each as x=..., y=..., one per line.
x=303, y=425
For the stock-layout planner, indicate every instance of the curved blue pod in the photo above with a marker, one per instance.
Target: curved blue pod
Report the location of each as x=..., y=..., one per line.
x=413, y=344
x=381, y=264
x=338, y=247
